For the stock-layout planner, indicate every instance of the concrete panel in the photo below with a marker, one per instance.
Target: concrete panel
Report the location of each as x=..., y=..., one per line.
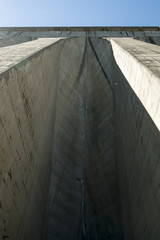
x=83, y=148
x=137, y=117
x=133, y=71
x=27, y=95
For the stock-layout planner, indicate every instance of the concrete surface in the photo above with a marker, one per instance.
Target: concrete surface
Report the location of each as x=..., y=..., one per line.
x=149, y=39
x=83, y=149
x=79, y=152
x=137, y=95
x=133, y=72
x=12, y=55
x=7, y=41
x=27, y=93
x=137, y=32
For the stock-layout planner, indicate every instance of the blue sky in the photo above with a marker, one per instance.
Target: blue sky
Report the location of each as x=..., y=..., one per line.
x=79, y=13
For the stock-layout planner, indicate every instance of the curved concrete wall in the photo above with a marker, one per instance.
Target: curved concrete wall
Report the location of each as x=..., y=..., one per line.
x=80, y=139
x=42, y=91
x=83, y=191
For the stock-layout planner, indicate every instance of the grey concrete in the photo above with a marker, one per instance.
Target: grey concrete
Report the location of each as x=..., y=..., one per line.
x=7, y=41
x=139, y=32
x=137, y=95
x=83, y=148
x=79, y=152
x=12, y=55
x=133, y=72
x=149, y=39
x=27, y=93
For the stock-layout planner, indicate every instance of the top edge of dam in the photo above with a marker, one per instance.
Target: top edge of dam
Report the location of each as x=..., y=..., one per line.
x=85, y=28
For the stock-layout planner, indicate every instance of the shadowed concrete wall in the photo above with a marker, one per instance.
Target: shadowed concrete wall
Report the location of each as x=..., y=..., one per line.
x=85, y=102
x=134, y=75
x=83, y=149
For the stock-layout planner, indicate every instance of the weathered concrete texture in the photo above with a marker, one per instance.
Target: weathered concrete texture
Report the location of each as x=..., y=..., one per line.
x=140, y=64
x=7, y=41
x=12, y=55
x=27, y=93
x=84, y=133
x=93, y=104
x=41, y=32
x=137, y=121
x=133, y=72
x=150, y=39
x=83, y=149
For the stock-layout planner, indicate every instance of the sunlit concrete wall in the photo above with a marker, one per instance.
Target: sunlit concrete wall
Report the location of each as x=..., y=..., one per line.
x=27, y=94
x=137, y=98
x=134, y=72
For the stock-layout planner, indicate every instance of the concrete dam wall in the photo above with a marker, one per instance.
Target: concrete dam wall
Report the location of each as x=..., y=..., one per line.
x=80, y=143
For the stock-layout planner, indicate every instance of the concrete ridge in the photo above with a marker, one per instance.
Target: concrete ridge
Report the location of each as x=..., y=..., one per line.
x=86, y=28
x=143, y=74
x=16, y=55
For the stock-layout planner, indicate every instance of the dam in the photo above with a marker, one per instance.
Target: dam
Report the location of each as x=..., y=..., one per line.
x=79, y=133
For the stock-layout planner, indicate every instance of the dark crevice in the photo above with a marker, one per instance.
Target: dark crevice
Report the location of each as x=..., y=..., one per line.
x=94, y=51
x=81, y=67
